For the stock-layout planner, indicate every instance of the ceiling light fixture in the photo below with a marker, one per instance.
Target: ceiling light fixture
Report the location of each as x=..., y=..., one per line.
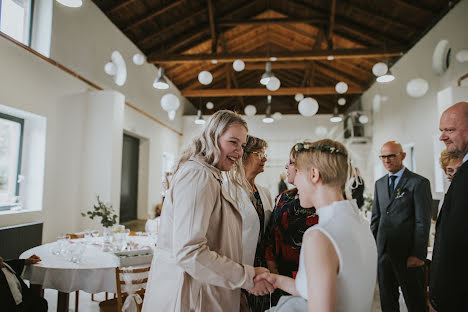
x=170, y=103
x=386, y=78
x=335, y=117
x=341, y=87
x=160, y=82
x=209, y=105
x=268, y=118
x=199, y=120
x=250, y=110
x=205, y=77
x=238, y=65
x=71, y=3
x=267, y=74
x=330, y=57
x=379, y=69
x=117, y=68
x=138, y=59
x=341, y=101
x=308, y=107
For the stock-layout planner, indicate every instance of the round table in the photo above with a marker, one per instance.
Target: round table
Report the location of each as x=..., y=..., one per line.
x=95, y=272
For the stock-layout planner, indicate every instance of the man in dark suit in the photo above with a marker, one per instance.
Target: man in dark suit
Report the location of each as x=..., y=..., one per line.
x=15, y=295
x=449, y=271
x=401, y=219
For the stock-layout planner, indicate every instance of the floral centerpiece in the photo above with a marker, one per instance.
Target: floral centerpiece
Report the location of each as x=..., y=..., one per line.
x=105, y=212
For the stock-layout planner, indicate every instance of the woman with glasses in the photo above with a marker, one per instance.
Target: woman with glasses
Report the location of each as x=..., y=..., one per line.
x=288, y=223
x=255, y=205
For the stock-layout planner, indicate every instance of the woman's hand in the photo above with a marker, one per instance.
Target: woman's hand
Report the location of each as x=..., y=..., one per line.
x=262, y=287
x=32, y=260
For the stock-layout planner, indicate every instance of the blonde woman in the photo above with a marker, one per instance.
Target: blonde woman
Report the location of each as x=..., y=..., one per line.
x=338, y=260
x=197, y=263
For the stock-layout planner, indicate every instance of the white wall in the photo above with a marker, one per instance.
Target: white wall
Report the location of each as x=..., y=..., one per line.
x=281, y=136
x=82, y=40
x=415, y=120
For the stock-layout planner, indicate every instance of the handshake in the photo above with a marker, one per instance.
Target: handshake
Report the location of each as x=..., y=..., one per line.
x=265, y=282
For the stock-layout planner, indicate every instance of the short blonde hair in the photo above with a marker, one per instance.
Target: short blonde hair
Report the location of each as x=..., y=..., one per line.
x=446, y=158
x=329, y=157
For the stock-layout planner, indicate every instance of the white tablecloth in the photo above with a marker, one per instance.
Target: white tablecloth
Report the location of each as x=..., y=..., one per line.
x=95, y=273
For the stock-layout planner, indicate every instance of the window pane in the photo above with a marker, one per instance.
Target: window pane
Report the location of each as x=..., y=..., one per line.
x=10, y=138
x=14, y=19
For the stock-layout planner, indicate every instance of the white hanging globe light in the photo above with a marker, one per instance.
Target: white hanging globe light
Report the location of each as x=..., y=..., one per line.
x=462, y=56
x=110, y=68
x=277, y=116
x=341, y=101
x=250, y=110
x=238, y=65
x=170, y=102
x=341, y=87
x=308, y=107
x=298, y=97
x=363, y=119
x=321, y=131
x=171, y=114
x=209, y=105
x=417, y=87
x=273, y=84
x=205, y=77
x=139, y=59
x=379, y=69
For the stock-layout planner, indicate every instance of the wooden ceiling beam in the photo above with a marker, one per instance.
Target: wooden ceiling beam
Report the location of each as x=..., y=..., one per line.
x=269, y=21
x=315, y=54
x=143, y=19
x=277, y=65
x=265, y=92
x=214, y=40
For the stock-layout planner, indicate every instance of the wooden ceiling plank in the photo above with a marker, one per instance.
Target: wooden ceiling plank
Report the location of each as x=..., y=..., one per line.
x=119, y=6
x=268, y=21
x=315, y=54
x=265, y=92
x=331, y=24
x=214, y=41
x=143, y=19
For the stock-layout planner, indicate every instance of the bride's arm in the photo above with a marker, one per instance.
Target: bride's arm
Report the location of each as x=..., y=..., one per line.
x=279, y=281
x=322, y=267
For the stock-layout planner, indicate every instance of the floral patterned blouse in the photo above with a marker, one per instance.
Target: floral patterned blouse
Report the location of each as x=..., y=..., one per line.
x=287, y=225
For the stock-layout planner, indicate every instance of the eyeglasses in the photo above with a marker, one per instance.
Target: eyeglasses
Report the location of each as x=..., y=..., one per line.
x=260, y=155
x=389, y=157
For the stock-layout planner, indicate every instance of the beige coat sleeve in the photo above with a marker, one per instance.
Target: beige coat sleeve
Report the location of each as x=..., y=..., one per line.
x=195, y=195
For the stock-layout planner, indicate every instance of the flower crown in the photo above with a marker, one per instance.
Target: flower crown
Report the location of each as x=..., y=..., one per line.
x=305, y=146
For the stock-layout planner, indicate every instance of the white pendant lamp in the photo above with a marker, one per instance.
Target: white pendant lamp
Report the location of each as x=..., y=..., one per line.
x=267, y=74
x=268, y=118
x=138, y=59
x=379, y=69
x=209, y=105
x=277, y=116
x=205, y=77
x=238, y=65
x=298, y=97
x=117, y=68
x=341, y=87
x=170, y=103
x=321, y=131
x=335, y=117
x=160, y=82
x=341, y=101
x=273, y=84
x=417, y=87
x=363, y=119
x=199, y=120
x=250, y=110
x=71, y=3
x=308, y=107
x=386, y=78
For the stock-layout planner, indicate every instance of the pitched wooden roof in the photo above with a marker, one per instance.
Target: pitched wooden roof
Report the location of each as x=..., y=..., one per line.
x=185, y=36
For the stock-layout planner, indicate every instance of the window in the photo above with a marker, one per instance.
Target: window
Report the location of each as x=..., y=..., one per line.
x=11, y=139
x=15, y=19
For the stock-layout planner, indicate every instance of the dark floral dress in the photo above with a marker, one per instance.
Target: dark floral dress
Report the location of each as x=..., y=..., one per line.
x=259, y=303
x=284, y=233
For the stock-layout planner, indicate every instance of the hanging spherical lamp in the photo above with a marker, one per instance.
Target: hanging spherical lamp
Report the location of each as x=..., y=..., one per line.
x=273, y=84
x=341, y=87
x=170, y=102
x=238, y=65
x=139, y=59
x=250, y=110
x=298, y=97
x=341, y=101
x=308, y=107
x=417, y=87
x=321, y=131
x=209, y=105
x=205, y=77
x=379, y=69
x=277, y=116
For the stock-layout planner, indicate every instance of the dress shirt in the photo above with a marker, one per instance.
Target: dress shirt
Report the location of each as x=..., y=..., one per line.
x=13, y=283
x=465, y=158
x=397, y=175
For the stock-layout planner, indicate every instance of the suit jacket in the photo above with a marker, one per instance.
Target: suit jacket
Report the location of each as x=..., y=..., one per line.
x=449, y=271
x=401, y=223
x=7, y=302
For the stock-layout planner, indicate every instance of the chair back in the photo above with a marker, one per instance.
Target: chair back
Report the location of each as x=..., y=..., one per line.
x=130, y=278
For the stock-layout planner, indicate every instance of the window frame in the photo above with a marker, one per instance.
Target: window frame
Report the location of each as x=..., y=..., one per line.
x=29, y=23
x=20, y=155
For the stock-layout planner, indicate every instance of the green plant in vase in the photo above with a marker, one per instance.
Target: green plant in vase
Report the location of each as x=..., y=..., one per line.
x=105, y=212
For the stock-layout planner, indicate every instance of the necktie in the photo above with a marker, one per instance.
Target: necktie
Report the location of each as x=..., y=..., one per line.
x=391, y=185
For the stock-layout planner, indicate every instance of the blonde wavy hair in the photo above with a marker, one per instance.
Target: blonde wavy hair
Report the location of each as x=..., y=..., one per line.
x=329, y=157
x=446, y=158
x=205, y=146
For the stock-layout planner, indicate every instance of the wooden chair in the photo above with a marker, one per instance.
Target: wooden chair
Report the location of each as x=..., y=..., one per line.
x=138, y=282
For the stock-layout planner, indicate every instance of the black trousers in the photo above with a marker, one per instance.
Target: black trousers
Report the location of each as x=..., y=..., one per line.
x=393, y=273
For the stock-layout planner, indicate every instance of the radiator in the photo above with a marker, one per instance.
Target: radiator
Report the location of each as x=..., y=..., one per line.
x=15, y=239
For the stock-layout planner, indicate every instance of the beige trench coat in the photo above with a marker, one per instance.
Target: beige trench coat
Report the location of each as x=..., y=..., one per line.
x=196, y=266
